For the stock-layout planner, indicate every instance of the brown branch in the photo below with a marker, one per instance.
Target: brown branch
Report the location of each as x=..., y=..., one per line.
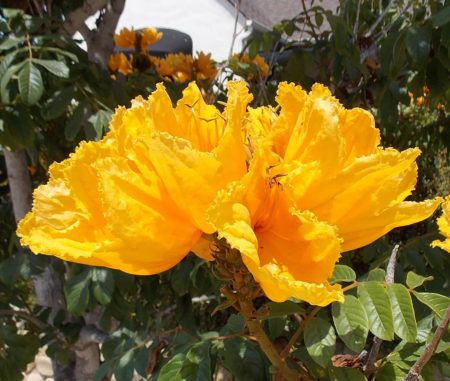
x=414, y=372
x=19, y=182
x=76, y=18
x=370, y=367
x=285, y=352
x=254, y=325
x=101, y=44
x=25, y=316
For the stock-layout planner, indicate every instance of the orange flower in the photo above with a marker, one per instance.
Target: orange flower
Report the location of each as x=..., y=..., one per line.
x=258, y=61
x=119, y=62
x=126, y=38
x=204, y=67
x=149, y=36
x=420, y=101
x=177, y=67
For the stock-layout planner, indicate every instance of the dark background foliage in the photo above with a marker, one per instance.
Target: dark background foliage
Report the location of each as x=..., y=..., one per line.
x=393, y=59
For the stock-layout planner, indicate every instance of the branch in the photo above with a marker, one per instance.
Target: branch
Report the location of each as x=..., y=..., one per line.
x=19, y=182
x=26, y=316
x=76, y=18
x=379, y=19
x=414, y=372
x=101, y=44
x=369, y=368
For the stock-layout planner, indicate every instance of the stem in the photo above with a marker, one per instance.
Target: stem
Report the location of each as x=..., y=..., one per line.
x=299, y=331
x=254, y=325
x=414, y=372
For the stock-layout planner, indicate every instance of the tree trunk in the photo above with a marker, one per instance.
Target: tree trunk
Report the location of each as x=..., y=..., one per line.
x=48, y=284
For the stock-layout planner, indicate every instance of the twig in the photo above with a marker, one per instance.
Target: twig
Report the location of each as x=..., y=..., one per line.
x=388, y=27
x=254, y=325
x=237, y=8
x=369, y=368
x=308, y=20
x=414, y=372
x=25, y=316
x=356, y=26
x=379, y=19
x=285, y=352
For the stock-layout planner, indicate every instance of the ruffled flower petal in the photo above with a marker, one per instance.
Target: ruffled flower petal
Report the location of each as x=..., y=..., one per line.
x=444, y=226
x=280, y=276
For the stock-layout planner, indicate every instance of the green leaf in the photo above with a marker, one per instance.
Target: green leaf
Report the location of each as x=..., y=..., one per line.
x=235, y=324
x=441, y=18
x=171, y=370
x=58, y=104
x=276, y=327
x=198, y=364
x=141, y=360
x=417, y=43
x=75, y=121
x=103, y=281
x=11, y=41
x=58, y=68
x=320, y=341
x=414, y=280
x=405, y=325
x=180, y=278
x=243, y=360
x=378, y=275
x=424, y=327
x=124, y=369
x=351, y=322
x=390, y=372
x=436, y=302
x=16, y=128
x=99, y=121
x=376, y=302
x=76, y=291
x=348, y=374
x=283, y=309
x=6, y=78
x=31, y=86
x=342, y=273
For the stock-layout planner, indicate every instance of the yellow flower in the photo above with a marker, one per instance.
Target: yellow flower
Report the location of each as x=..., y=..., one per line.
x=444, y=227
x=204, y=67
x=327, y=187
x=420, y=101
x=136, y=200
x=119, y=62
x=126, y=38
x=149, y=36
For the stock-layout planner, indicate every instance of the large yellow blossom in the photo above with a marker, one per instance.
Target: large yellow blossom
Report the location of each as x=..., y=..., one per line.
x=326, y=186
x=444, y=226
x=136, y=200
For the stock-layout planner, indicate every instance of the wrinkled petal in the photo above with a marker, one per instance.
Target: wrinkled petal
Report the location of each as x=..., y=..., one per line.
x=136, y=200
x=232, y=221
x=444, y=226
x=365, y=200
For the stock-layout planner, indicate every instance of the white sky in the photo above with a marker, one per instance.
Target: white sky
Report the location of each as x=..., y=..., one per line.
x=209, y=22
